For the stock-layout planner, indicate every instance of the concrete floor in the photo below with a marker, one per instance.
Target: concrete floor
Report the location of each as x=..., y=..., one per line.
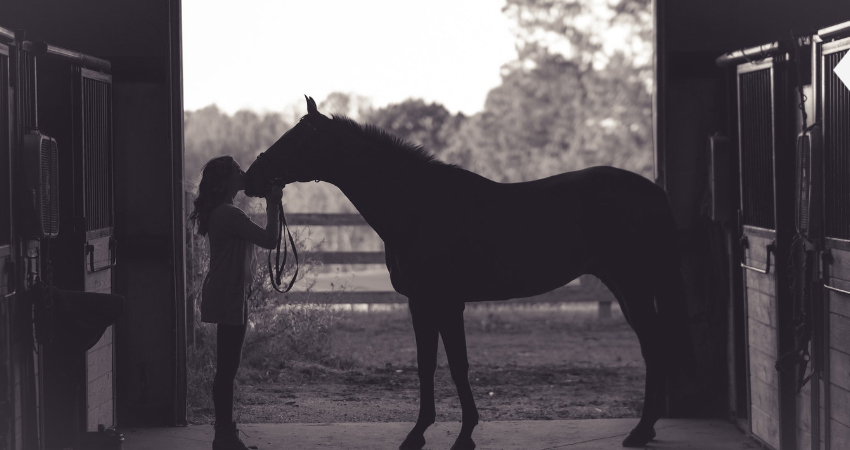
x=591, y=434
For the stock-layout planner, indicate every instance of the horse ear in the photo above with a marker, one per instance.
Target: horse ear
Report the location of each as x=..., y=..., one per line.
x=311, y=106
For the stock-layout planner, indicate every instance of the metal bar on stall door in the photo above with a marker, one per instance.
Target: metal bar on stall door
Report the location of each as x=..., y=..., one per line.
x=834, y=30
x=6, y=36
x=74, y=57
x=748, y=54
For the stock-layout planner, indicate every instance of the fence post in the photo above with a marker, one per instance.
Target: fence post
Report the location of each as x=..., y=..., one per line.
x=604, y=309
x=190, y=273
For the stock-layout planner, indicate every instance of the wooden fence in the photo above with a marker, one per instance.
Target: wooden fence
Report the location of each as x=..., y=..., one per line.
x=590, y=290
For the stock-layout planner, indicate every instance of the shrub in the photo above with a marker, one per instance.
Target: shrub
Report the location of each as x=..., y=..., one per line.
x=278, y=331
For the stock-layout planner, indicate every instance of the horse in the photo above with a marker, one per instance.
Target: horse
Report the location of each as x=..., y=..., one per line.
x=452, y=236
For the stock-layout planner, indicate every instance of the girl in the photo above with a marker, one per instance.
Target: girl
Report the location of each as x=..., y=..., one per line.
x=232, y=236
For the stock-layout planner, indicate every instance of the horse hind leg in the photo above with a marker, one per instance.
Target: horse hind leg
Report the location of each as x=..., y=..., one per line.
x=637, y=301
x=651, y=345
x=454, y=341
x=426, y=330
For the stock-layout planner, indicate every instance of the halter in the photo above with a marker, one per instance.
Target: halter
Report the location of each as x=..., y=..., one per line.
x=285, y=179
x=264, y=168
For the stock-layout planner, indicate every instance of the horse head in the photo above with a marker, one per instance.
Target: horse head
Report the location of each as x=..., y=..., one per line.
x=295, y=157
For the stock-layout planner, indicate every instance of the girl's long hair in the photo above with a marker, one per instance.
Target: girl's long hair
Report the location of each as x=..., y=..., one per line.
x=212, y=191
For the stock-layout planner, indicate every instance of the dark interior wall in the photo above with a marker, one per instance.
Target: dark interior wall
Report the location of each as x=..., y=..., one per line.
x=142, y=41
x=691, y=34
x=724, y=25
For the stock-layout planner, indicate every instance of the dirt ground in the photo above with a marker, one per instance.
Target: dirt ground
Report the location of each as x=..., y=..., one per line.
x=525, y=363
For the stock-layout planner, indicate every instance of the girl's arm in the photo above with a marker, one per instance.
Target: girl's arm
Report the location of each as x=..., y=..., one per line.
x=241, y=225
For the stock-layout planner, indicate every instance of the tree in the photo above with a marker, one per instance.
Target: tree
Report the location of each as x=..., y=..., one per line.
x=585, y=31
x=569, y=100
x=209, y=132
x=346, y=104
x=429, y=125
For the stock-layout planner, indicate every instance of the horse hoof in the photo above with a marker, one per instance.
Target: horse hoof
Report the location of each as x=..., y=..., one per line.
x=412, y=442
x=463, y=444
x=639, y=437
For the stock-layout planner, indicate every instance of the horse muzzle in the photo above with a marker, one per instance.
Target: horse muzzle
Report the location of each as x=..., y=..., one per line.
x=261, y=190
x=251, y=192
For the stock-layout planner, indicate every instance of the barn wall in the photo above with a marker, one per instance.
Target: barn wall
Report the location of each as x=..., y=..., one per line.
x=142, y=41
x=7, y=253
x=694, y=100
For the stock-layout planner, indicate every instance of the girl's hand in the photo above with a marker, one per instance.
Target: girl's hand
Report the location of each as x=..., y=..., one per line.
x=275, y=194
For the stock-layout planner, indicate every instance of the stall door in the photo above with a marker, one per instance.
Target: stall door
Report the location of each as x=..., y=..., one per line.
x=835, y=111
x=766, y=209
x=93, y=142
x=755, y=106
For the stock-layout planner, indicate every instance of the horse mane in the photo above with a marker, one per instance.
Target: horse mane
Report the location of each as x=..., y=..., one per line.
x=388, y=144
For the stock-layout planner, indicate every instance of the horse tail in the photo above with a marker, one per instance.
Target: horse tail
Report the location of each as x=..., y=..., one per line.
x=671, y=298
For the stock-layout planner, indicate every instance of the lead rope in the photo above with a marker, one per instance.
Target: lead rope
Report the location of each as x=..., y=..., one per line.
x=276, y=271
x=800, y=263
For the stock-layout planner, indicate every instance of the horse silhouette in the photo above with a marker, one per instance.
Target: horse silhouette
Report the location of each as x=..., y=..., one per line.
x=452, y=236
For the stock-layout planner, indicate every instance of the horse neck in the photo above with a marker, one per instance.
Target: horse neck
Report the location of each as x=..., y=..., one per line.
x=375, y=210
x=382, y=191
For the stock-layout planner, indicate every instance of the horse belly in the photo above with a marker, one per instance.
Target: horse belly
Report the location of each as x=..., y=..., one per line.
x=526, y=264
x=534, y=274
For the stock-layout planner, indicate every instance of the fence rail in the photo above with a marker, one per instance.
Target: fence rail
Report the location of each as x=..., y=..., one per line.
x=323, y=219
x=566, y=294
x=584, y=293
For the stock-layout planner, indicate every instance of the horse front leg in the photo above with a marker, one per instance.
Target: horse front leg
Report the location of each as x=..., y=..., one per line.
x=454, y=341
x=426, y=331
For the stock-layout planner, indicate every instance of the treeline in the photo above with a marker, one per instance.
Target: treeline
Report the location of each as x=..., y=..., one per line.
x=555, y=111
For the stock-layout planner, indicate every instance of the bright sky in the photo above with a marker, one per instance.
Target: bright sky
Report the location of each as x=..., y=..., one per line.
x=266, y=54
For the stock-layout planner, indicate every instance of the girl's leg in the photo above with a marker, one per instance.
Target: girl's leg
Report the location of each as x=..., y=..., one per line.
x=229, y=339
